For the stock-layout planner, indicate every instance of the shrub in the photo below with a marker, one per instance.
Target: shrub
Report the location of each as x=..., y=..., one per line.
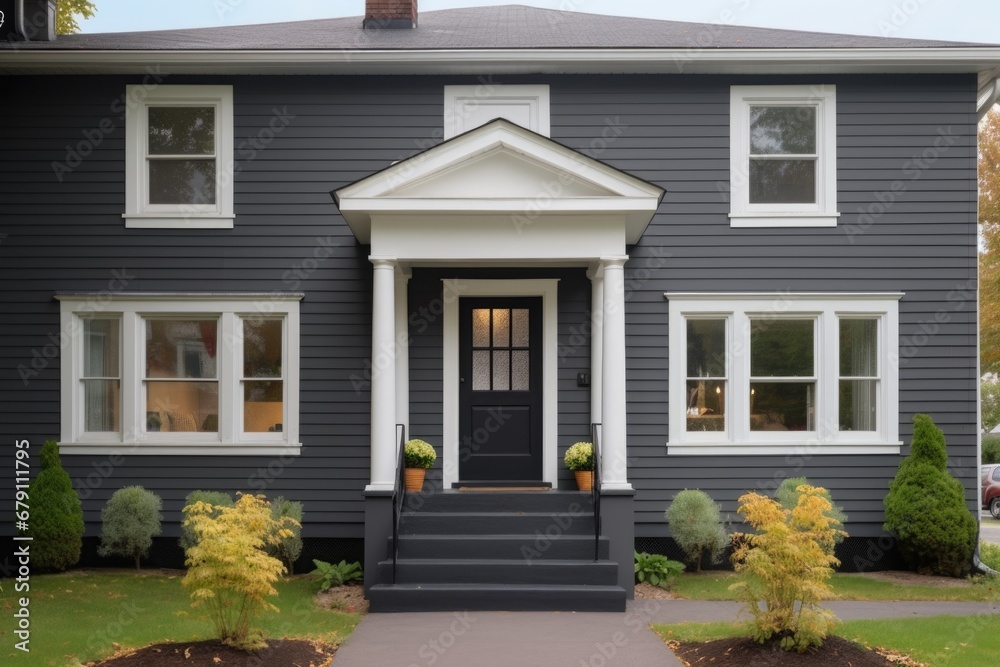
x=418, y=454
x=336, y=575
x=788, y=495
x=214, y=498
x=925, y=508
x=786, y=564
x=991, y=449
x=130, y=521
x=287, y=549
x=229, y=571
x=989, y=553
x=580, y=456
x=56, y=521
x=656, y=569
x=696, y=524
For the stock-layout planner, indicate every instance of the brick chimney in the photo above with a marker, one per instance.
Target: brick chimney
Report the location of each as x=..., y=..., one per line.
x=390, y=14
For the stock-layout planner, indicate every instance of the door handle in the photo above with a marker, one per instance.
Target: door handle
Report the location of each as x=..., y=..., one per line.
x=461, y=379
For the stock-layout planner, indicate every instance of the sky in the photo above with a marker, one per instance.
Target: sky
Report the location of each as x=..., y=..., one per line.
x=956, y=20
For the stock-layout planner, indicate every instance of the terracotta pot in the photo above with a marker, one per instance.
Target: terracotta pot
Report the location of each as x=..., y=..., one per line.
x=415, y=479
x=584, y=479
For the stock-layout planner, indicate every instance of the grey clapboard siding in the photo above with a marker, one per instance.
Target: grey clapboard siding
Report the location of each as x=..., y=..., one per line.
x=672, y=130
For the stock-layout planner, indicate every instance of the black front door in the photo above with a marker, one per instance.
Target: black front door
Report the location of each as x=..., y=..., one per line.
x=500, y=395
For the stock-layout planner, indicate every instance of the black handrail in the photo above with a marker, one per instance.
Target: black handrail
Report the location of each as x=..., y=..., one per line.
x=595, y=434
x=398, y=496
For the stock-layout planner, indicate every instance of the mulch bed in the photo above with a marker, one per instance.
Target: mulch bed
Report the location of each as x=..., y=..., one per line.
x=741, y=652
x=279, y=653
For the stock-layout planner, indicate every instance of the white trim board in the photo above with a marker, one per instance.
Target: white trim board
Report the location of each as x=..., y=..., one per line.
x=548, y=289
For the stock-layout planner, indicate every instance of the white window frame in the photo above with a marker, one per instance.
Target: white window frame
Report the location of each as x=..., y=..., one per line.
x=826, y=309
x=457, y=99
x=822, y=213
x=139, y=213
x=132, y=312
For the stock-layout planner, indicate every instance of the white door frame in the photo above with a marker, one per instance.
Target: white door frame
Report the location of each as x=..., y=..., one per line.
x=548, y=290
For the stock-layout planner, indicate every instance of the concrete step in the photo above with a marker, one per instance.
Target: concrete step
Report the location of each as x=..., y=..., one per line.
x=495, y=597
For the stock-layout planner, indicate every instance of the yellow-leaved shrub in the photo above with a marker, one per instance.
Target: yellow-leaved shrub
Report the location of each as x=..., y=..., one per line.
x=229, y=572
x=786, y=565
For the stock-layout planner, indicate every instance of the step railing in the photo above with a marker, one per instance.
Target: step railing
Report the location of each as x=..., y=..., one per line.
x=398, y=495
x=595, y=434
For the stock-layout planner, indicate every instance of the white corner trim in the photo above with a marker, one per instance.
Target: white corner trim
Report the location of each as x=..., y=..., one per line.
x=800, y=450
x=452, y=291
x=467, y=107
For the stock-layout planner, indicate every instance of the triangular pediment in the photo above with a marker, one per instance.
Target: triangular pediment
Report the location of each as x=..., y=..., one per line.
x=498, y=168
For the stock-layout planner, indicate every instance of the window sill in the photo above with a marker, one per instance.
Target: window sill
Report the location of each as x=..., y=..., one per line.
x=187, y=221
x=180, y=449
x=787, y=220
x=804, y=449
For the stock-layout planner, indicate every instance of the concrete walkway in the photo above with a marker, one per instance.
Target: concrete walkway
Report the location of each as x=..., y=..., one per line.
x=496, y=638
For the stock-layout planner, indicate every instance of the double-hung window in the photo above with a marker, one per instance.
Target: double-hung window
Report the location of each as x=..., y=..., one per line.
x=159, y=374
x=754, y=373
x=179, y=157
x=783, y=156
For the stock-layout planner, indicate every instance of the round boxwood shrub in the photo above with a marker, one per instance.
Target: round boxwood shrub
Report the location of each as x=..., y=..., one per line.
x=925, y=508
x=287, y=545
x=788, y=495
x=696, y=524
x=56, y=523
x=216, y=498
x=130, y=521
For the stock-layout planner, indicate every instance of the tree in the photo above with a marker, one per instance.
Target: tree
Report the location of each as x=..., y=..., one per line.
x=131, y=520
x=67, y=11
x=989, y=229
x=989, y=400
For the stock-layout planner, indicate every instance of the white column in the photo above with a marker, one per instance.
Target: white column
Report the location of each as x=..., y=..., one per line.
x=596, y=276
x=614, y=469
x=402, y=351
x=384, y=353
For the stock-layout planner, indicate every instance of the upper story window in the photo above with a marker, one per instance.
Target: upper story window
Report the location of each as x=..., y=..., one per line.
x=179, y=157
x=769, y=374
x=783, y=156
x=469, y=107
x=180, y=375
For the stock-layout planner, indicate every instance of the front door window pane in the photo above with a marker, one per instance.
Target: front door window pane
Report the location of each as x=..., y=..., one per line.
x=500, y=349
x=182, y=387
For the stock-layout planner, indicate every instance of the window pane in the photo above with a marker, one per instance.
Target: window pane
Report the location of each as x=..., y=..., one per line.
x=501, y=327
x=481, y=370
x=781, y=406
x=184, y=406
x=481, y=327
x=858, y=405
x=100, y=348
x=520, y=327
x=522, y=371
x=782, y=130
x=782, y=181
x=706, y=344
x=501, y=370
x=859, y=348
x=182, y=181
x=181, y=130
x=101, y=399
x=263, y=406
x=706, y=407
x=262, y=348
x=781, y=348
x=180, y=348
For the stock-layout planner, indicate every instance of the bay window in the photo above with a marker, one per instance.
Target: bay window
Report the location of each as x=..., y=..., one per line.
x=756, y=373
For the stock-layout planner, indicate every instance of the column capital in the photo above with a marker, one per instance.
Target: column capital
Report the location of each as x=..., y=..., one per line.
x=383, y=261
x=612, y=261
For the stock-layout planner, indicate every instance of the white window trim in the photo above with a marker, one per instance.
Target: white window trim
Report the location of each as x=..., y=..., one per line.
x=130, y=311
x=139, y=214
x=458, y=98
x=823, y=213
x=826, y=308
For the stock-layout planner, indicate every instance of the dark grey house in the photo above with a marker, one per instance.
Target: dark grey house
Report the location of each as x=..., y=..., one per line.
x=257, y=258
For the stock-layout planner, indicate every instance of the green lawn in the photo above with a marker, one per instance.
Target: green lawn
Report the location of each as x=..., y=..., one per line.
x=715, y=586
x=80, y=615
x=940, y=641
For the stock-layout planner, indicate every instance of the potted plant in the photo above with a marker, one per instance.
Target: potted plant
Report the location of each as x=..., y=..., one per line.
x=153, y=422
x=418, y=456
x=580, y=459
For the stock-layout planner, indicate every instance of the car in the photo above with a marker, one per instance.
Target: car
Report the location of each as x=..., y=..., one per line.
x=991, y=489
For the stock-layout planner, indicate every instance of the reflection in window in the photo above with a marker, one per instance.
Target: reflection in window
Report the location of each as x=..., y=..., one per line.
x=182, y=386
x=263, y=378
x=782, y=374
x=783, y=154
x=181, y=155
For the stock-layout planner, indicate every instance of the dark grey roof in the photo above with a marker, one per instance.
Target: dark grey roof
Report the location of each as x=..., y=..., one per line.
x=503, y=27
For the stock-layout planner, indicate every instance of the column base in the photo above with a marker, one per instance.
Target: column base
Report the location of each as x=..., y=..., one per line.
x=618, y=525
x=378, y=530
